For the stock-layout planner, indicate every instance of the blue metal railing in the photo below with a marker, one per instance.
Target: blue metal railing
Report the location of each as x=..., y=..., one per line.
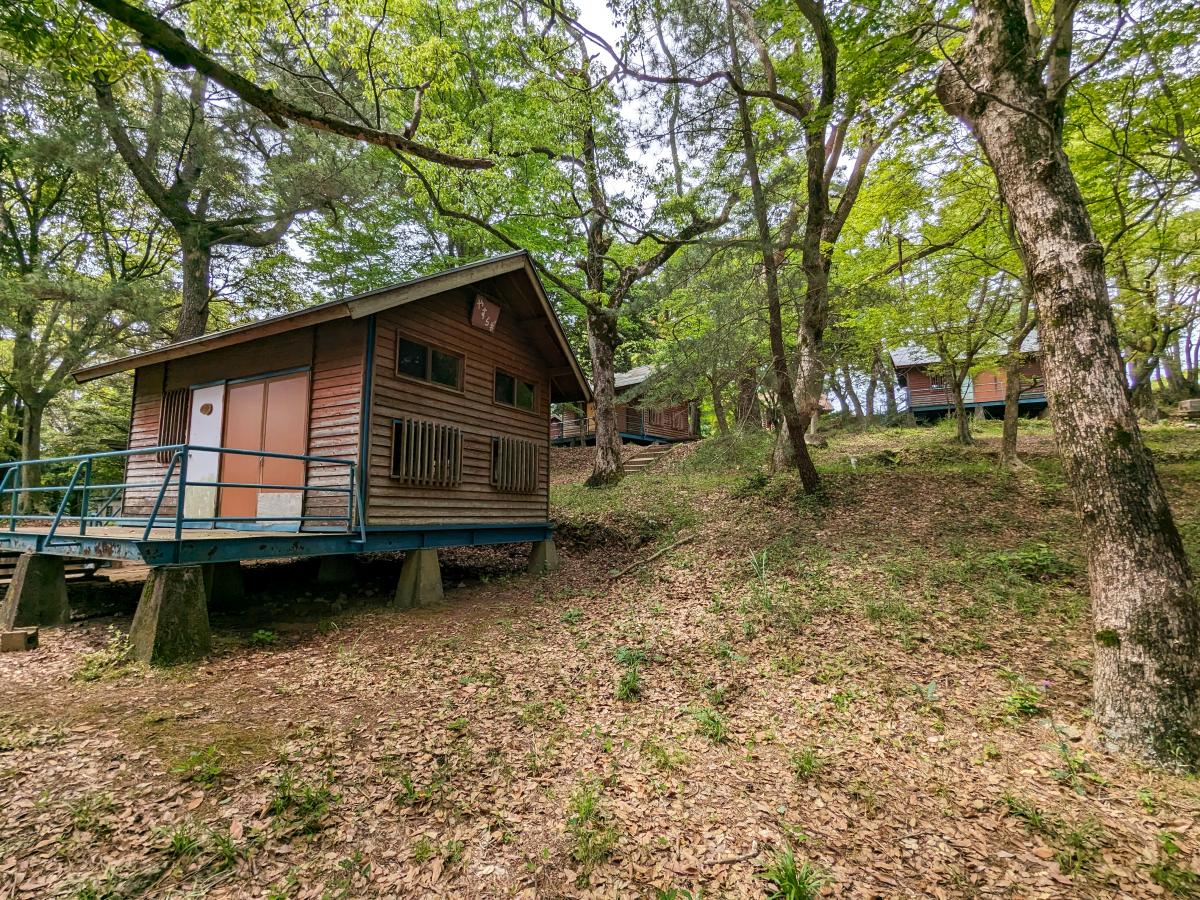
x=80, y=487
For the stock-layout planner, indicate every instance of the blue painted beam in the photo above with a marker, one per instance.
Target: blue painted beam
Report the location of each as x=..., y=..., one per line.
x=194, y=548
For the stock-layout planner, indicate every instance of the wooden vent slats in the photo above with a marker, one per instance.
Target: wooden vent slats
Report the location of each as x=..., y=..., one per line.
x=428, y=454
x=173, y=420
x=515, y=465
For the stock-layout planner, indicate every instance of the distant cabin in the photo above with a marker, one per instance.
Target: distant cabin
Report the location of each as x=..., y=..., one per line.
x=416, y=415
x=929, y=397
x=637, y=421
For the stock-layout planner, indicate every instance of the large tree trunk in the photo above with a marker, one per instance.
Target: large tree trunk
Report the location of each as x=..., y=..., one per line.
x=602, y=342
x=31, y=448
x=1146, y=618
x=197, y=287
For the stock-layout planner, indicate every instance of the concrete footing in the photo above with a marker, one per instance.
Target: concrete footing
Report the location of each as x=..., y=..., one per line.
x=336, y=569
x=171, y=622
x=37, y=594
x=18, y=639
x=420, y=579
x=223, y=585
x=543, y=558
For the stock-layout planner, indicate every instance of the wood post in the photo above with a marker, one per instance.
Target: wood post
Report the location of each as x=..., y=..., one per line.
x=171, y=622
x=37, y=594
x=543, y=558
x=420, y=580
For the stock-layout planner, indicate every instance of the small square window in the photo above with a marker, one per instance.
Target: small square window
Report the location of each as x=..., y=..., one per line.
x=505, y=388
x=512, y=391
x=524, y=395
x=445, y=368
x=412, y=359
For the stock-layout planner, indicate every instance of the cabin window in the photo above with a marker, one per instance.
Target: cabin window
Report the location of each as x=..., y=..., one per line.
x=514, y=465
x=514, y=391
x=173, y=421
x=425, y=453
x=427, y=363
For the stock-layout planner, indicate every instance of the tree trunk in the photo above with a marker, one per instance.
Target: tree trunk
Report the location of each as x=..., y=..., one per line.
x=748, y=412
x=1146, y=619
x=197, y=287
x=1012, y=410
x=962, y=421
x=852, y=393
x=1142, y=398
x=31, y=448
x=602, y=342
x=719, y=410
x=796, y=424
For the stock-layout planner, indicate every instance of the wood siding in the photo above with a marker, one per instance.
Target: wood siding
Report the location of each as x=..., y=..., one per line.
x=986, y=386
x=334, y=351
x=333, y=423
x=442, y=321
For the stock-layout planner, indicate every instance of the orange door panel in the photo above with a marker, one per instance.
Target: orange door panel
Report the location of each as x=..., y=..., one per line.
x=271, y=415
x=243, y=431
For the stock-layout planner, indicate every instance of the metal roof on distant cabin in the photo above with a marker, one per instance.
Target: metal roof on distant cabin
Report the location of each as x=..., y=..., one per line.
x=634, y=376
x=916, y=355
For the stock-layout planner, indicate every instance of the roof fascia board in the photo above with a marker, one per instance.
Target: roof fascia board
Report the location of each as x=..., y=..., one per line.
x=436, y=284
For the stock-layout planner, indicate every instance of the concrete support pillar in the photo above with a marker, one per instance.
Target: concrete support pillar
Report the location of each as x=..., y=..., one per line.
x=37, y=594
x=223, y=585
x=420, y=579
x=171, y=622
x=336, y=569
x=543, y=558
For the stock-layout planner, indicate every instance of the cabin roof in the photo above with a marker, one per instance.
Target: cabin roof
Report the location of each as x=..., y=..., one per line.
x=634, y=376
x=542, y=327
x=915, y=355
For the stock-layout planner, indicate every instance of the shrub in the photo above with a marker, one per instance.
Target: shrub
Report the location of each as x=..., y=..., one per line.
x=263, y=638
x=1033, y=562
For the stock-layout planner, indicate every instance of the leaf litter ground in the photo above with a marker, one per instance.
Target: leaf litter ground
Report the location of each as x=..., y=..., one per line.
x=890, y=681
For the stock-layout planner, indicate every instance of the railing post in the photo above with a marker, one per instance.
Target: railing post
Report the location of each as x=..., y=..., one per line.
x=179, y=500
x=350, y=502
x=84, y=496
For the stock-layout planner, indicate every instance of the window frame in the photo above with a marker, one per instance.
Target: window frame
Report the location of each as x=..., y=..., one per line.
x=496, y=372
x=454, y=460
x=430, y=349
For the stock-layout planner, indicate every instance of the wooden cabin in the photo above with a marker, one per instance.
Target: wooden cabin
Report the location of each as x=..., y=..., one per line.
x=929, y=396
x=439, y=387
x=637, y=421
x=408, y=418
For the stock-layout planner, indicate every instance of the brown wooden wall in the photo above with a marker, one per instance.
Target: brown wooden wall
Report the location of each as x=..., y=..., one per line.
x=334, y=352
x=988, y=384
x=442, y=321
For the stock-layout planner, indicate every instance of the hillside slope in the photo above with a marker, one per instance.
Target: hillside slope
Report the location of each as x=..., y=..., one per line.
x=889, y=681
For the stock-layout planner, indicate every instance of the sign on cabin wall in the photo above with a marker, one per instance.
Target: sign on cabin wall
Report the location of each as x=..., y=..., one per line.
x=485, y=313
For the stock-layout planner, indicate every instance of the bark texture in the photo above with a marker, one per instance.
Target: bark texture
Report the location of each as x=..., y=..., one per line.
x=602, y=343
x=1146, y=619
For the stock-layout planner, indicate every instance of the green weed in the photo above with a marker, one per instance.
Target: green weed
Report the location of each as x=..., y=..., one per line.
x=592, y=836
x=114, y=661
x=806, y=763
x=202, y=766
x=710, y=723
x=792, y=880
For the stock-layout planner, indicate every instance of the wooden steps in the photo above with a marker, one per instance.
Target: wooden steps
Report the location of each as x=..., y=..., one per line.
x=645, y=458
